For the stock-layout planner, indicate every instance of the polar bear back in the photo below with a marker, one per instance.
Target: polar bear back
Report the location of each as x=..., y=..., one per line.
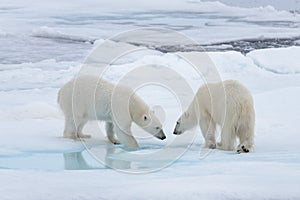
x=225, y=100
x=90, y=97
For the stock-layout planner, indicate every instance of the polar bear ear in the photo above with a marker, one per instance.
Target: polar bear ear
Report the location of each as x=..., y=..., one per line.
x=186, y=115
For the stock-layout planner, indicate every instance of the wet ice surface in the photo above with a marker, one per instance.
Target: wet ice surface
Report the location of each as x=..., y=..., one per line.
x=24, y=49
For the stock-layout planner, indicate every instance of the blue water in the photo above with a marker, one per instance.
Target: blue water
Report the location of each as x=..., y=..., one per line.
x=134, y=161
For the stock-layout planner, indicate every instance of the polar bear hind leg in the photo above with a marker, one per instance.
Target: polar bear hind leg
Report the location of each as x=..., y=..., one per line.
x=245, y=136
x=109, y=127
x=80, y=128
x=72, y=131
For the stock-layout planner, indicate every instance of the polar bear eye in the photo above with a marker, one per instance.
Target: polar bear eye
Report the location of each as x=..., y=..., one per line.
x=177, y=123
x=145, y=118
x=157, y=128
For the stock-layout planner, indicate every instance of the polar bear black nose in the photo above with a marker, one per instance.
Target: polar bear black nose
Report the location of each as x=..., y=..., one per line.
x=176, y=132
x=161, y=135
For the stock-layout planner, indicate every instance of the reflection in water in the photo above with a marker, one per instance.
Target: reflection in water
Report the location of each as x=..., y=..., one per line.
x=142, y=160
x=113, y=163
x=103, y=156
x=75, y=161
x=95, y=158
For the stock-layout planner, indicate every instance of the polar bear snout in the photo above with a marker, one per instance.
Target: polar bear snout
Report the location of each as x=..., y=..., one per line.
x=176, y=130
x=161, y=135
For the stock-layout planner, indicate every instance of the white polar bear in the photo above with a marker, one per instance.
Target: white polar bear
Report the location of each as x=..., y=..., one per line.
x=89, y=98
x=228, y=104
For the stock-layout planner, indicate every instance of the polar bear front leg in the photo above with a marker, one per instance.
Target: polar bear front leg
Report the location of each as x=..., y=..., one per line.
x=125, y=136
x=208, y=129
x=110, y=133
x=228, y=138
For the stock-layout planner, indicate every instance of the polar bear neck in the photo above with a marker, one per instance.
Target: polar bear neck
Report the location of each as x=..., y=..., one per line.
x=193, y=112
x=137, y=108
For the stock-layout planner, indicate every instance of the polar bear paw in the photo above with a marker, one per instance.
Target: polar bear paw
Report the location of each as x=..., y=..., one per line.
x=115, y=141
x=210, y=145
x=84, y=136
x=243, y=149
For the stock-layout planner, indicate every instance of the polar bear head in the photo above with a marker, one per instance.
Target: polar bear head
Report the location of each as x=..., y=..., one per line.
x=184, y=123
x=144, y=117
x=150, y=123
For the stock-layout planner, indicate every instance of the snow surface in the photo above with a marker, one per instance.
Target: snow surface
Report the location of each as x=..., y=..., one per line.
x=43, y=46
x=32, y=149
x=290, y=5
x=272, y=60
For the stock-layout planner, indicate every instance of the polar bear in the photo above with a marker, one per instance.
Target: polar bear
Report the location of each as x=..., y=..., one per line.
x=228, y=104
x=88, y=98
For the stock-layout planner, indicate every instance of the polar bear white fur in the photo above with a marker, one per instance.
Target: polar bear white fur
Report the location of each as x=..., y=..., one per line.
x=228, y=104
x=90, y=98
